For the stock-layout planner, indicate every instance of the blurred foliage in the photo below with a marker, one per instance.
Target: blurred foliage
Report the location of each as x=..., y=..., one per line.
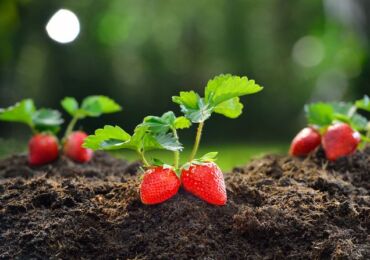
x=143, y=52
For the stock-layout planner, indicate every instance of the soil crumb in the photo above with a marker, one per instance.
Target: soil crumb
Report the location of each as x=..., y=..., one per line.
x=278, y=207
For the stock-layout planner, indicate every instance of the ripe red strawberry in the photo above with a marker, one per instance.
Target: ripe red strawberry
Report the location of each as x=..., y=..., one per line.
x=205, y=181
x=340, y=140
x=305, y=142
x=42, y=149
x=159, y=184
x=73, y=147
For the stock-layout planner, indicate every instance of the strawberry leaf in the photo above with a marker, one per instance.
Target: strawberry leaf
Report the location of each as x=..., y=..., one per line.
x=182, y=122
x=231, y=108
x=342, y=108
x=70, y=105
x=364, y=103
x=110, y=137
x=47, y=120
x=221, y=96
x=224, y=87
x=319, y=114
x=161, y=124
x=167, y=142
x=21, y=112
x=107, y=138
x=193, y=107
x=359, y=122
x=47, y=117
x=95, y=106
x=188, y=99
x=165, y=122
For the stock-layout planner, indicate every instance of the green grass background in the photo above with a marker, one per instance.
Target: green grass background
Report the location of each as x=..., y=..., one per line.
x=230, y=154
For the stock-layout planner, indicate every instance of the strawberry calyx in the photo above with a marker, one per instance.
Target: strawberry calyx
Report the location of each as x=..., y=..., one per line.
x=207, y=158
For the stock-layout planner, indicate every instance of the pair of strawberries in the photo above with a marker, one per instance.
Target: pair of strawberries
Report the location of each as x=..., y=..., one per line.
x=205, y=181
x=338, y=140
x=44, y=148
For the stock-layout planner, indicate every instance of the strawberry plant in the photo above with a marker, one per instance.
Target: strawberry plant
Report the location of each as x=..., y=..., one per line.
x=199, y=176
x=44, y=124
x=337, y=126
x=92, y=106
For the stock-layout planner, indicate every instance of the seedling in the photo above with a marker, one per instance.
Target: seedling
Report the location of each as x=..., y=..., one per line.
x=92, y=106
x=337, y=126
x=202, y=176
x=160, y=181
x=44, y=123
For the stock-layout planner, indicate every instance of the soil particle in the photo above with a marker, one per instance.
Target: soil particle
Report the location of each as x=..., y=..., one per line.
x=278, y=208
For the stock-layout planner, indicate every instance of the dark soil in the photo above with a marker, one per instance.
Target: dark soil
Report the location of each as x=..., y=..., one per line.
x=278, y=207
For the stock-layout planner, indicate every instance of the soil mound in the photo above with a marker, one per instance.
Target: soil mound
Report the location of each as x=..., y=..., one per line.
x=278, y=207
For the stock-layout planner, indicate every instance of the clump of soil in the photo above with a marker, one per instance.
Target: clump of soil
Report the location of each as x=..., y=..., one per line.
x=278, y=207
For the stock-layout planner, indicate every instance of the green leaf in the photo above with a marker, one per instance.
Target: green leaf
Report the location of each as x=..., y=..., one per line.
x=364, y=103
x=209, y=157
x=167, y=142
x=231, y=108
x=200, y=114
x=182, y=122
x=224, y=87
x=193, y=107
x=70, y=105
x=21, y=112
x=320, y=114
x=107, y=138
x=143, y=139
x=95, y=106
x=188, y=99
x=161, y=124
x=342, y=108
x=47, y=117
x=110, y=137
x=47, y=120
x=165, y=122
x=359, y=122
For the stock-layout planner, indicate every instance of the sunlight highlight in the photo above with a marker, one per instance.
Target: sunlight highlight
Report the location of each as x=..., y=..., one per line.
x=63, y=26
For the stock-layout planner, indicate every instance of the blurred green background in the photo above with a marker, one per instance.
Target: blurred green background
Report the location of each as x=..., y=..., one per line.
x=143, y=52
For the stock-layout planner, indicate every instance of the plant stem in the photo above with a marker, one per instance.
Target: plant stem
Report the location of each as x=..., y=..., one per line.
x=142, y=158
x=197, y=141
x=70, y=127
x=176, y=154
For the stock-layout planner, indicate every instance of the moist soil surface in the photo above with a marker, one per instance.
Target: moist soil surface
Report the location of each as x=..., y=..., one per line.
x=278, y=207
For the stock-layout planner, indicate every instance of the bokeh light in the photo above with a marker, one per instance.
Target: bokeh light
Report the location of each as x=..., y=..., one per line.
x=308, y=51
x=63, y=26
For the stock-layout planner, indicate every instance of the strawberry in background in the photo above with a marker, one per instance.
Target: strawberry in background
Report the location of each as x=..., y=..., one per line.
x=43, y=147
x=337, y=126
x=92, y=106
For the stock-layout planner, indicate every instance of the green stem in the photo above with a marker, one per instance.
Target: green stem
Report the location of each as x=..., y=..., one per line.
x=197, y=141
x=142, y=158
x=70, y=127
x=176, y=154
